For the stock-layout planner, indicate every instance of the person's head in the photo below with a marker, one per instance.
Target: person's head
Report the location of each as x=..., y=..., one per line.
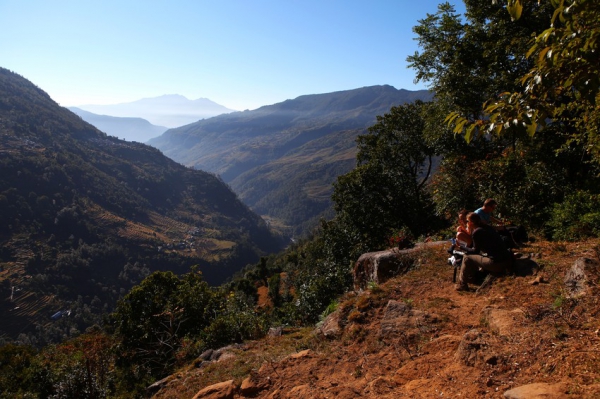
x=490, y=204
x=462, y=216
x=474, y=219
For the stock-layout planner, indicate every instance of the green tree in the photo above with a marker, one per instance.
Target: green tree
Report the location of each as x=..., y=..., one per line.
x=562, y=85
x=153, y=319
x=467, y=60
x=387, y=190
x=15, y=370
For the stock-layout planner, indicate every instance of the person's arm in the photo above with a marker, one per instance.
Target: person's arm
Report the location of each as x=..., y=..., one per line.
x=476, y=248
x=497, y=221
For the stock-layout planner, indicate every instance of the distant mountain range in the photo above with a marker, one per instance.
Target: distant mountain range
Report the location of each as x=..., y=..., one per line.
x=85, y=216
x=171, y=110
x=281, y=159
x=130, y=129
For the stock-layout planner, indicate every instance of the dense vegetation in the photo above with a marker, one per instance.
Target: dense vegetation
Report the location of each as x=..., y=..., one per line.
x=547, y=181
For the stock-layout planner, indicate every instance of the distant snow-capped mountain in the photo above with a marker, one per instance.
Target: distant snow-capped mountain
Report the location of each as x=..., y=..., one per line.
x=171, y=110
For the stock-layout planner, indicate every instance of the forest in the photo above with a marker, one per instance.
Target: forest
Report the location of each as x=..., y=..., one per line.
x=515, y=118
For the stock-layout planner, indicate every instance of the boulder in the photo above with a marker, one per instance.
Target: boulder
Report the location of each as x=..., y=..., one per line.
x=380, y=266
x=581, y=277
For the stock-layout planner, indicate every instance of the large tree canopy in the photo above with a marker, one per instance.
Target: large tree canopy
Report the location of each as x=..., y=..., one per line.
x=487, y=54
x=562, y=86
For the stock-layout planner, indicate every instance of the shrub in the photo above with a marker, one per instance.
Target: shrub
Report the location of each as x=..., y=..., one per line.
x=577, y=217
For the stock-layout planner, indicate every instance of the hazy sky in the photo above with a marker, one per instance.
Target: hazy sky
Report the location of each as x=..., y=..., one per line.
x=239, y=53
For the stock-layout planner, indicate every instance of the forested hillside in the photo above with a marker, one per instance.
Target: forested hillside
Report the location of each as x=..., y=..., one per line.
x=282, y=159
x=86, y=216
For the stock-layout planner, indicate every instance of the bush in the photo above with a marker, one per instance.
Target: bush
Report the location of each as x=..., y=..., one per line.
x=577, y=217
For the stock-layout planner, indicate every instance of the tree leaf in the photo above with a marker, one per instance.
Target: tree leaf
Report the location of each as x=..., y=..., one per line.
x=469, y=133
x=515, y=8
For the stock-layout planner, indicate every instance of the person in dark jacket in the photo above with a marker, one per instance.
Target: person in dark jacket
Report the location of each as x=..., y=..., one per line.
x=487, y=253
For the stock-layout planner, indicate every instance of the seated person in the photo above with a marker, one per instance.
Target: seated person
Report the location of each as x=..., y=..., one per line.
x=488, y=252
x=513, y=236
x=485, y=212
x=463, y=235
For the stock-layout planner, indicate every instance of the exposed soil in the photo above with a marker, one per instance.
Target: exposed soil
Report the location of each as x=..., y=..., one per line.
x=520, y=330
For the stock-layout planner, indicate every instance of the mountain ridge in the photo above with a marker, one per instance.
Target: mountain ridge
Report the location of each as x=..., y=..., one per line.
x=126, y=128
x=239, y=145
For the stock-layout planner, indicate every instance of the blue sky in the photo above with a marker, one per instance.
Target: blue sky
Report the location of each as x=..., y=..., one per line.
x=239, y=53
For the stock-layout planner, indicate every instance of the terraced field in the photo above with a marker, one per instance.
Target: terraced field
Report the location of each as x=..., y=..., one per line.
x=21, y=307
x=168, y=234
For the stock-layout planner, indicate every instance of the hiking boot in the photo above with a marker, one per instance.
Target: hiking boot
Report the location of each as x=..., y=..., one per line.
x=461, y=287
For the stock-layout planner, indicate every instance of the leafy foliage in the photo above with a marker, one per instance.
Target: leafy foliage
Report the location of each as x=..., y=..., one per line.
x=387, y=190
x=155, y=316
x=578, y=217
x=562, y=85
x=466, y=61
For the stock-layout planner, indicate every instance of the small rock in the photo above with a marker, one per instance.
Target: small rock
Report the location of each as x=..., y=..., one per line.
x=222, y=390
x=472, y=348
x=158, y=385
x=302, y=354
x=251, y=386
x=539, y=280
x=275, y=331
x=538, y=391
x=206, y=355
